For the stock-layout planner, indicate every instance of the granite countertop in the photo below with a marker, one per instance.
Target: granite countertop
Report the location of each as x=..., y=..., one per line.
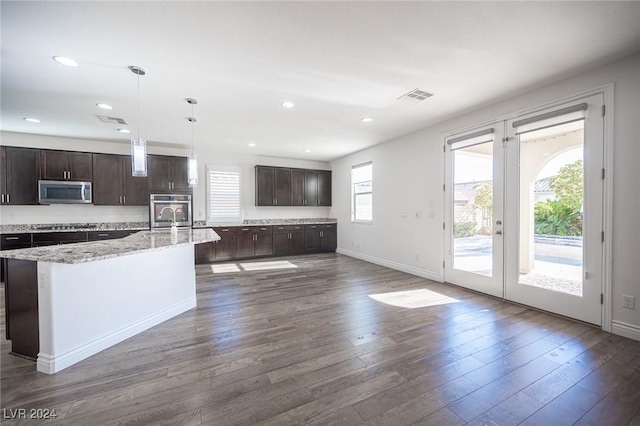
x=266, y=222
x=143, y=241
x=74, y=227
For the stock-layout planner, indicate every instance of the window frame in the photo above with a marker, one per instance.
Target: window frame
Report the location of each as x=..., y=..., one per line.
x=213, y=168
x=354, y=219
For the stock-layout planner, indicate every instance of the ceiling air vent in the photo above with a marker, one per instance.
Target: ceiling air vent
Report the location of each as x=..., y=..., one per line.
x=416, y=95
x=111, y=120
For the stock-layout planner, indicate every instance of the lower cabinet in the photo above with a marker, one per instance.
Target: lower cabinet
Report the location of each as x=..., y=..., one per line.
x=321, y=238
x=288, y=239
x=10, y=242
x=107, y=235
x=254, y=241
x=243, y=242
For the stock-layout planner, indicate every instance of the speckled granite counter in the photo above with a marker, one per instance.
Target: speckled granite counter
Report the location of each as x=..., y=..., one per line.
x=98, y=250
x=74, y=227
x=267, y=222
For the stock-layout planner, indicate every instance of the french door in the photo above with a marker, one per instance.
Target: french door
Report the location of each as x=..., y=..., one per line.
x=524, y=209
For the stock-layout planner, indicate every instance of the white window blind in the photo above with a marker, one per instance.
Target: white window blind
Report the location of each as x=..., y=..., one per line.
x=224, y=196
x=362, y=193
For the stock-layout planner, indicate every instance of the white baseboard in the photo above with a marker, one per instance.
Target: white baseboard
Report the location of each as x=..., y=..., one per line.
x=393, y=265
x=627, y=330
x=52, y=364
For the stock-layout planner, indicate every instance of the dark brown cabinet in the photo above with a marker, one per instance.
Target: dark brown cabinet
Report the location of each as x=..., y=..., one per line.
x=167, y=173
x=254, y=241
x=66, y=165
x=20, y=170
x=273, y=186
x=281, y=186
x=288, y=239
x=324, y=188
x=21, y=307
x=54, y=238
x=10, y=242
x=113, y=183
x=108, y=235
x=223, y=249
x=297, y=187
x=321, y=238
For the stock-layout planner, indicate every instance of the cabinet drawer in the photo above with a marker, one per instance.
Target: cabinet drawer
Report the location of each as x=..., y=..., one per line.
x=108, y=235
x=7, y=241
x=224, y=230
x=60, y=237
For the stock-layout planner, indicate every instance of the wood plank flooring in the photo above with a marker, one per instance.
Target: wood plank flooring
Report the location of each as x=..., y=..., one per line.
x=337, y=341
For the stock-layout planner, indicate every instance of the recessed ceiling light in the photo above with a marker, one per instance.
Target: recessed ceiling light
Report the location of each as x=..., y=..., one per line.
x=65, y=61
x=366, y=119
x=104, y=106
x=31, y=120
x=124, y=130
x=251, y=145
x=307, y=150
x=287, y=104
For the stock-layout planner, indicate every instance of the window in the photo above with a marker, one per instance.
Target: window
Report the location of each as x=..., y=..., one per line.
x=223, y=194
x=362, y=193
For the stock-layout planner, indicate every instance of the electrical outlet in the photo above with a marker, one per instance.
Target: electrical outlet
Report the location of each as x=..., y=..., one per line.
x=628, y=302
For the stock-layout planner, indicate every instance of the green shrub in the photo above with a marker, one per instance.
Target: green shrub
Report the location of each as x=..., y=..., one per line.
x=464, y=229
x=556, y=217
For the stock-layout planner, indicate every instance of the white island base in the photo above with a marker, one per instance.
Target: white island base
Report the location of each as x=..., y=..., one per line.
x=85, y=308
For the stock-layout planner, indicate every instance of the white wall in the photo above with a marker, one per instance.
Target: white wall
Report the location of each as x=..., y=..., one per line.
x=408, y=176
x=11, y=215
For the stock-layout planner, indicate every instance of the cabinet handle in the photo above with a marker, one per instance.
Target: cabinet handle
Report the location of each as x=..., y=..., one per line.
x=8, y=201
x=69, y=174
x=321, y=234
x=2, y=198
x=11, y=238
x=103, y=235
x=120, y=199
x=276, y=200
x=225, y=230
x=124, y=199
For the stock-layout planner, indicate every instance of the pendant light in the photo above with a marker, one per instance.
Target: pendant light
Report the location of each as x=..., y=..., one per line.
x=138, y=145
x=192, y=165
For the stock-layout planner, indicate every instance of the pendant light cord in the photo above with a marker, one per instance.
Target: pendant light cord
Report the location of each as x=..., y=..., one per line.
x=192, y=131
x=138, y=106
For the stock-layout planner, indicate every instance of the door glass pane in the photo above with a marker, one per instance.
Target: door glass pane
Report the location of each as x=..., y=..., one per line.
x=473, y=209
x=551, y=208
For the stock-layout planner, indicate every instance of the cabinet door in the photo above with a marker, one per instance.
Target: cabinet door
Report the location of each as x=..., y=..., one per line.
x=312, y=238
x=179, y=177
x=22, y=175
x=205, y=252
x=311, y=187
x=3, y=174
x=329, y=240
x=324, y=188
x=297, y=243
x=158, y=173
x=80, y=166
x=282, y=184
x=107, y=179
x=281, y=240
x=226, y=246
x=297, y=187
x=264, y=241
x=135, y=188
x=53, y=165
x=244, y=242
x=264, y=186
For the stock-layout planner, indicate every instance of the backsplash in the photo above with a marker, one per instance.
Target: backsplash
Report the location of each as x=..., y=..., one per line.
x=72, y=213
x=73, y=227
x=258, y=222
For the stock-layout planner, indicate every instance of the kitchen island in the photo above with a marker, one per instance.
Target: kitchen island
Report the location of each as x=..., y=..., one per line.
x=66, y=303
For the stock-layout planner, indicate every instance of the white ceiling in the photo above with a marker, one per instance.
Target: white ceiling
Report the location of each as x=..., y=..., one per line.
x=337, y=61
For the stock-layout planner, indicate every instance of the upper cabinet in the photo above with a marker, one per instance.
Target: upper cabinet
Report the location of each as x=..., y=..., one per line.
x=167, y=173
x=281, y=186
x=273, y=186
x=66, y=165
x=113, y=183
x=19, y=174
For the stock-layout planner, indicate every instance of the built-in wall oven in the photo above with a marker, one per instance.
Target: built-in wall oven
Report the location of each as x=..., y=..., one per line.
x=167, y=209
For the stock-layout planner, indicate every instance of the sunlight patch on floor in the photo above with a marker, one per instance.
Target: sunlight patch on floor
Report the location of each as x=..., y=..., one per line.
x=226, y=268
x=419, y=298
x=265, y=266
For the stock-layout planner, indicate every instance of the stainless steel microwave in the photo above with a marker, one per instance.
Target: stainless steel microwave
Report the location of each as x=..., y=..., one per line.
x=64, y=192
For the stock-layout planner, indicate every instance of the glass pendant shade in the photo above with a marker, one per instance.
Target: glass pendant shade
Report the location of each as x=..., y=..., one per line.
x=192, y=170
x=138, y=157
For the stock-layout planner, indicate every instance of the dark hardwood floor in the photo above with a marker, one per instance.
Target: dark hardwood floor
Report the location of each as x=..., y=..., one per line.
x=333, y=340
